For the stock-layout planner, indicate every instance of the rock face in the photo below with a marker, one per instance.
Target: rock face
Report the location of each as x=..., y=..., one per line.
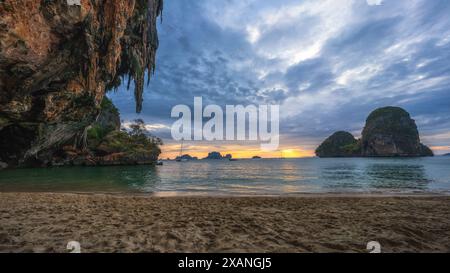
x=389, y=132
x=214, y=155
x=108, y=145
x=340, y=144
x=109, y=117
x=57, y=61
x=185, y=157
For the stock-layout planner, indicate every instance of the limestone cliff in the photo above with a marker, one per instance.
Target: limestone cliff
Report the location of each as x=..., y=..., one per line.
x=109, y=144
x=57, y=61
x=389, y=132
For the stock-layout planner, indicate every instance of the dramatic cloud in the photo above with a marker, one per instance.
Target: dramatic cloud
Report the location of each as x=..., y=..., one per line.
x=328, y=63
x=374, y=2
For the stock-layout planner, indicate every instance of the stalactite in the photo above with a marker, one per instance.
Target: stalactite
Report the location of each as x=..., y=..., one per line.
x=58, y=60
x=140, y=45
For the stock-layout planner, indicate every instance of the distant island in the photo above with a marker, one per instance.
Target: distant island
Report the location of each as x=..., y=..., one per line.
x=211, y=156
x=186, y=158
x=446, y=154
x=389, y=132
x=218, y=156
x=214, y=155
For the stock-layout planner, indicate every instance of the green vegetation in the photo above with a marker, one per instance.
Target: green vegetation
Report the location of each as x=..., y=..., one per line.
x=3, y=122
x=136, y=142
x=387, y=111
x=392, y=120
x=108, y=106
x=389, y=132
x=96, y=134
x=352, y=149
x=108, y=122
x=340, y=144
x=104, y=137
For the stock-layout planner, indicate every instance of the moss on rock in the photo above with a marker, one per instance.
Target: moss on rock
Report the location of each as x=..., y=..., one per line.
x=340, y=144
x=389, y=132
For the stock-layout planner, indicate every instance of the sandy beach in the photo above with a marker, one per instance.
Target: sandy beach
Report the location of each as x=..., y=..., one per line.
x=41, y=222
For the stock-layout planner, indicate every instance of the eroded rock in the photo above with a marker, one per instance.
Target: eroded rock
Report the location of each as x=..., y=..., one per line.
x=389, y=132
x=56, y=63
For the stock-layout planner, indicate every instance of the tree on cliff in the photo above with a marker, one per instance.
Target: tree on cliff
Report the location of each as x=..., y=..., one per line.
x=52, y=84
x=139, y=133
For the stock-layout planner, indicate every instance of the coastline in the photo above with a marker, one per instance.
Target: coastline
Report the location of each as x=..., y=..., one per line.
x=104, y=222
x=214, y=195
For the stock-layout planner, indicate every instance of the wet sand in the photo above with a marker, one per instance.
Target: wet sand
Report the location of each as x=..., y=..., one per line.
x=39, y=222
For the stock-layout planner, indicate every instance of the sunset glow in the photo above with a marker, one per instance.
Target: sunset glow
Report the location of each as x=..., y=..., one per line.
x=201, y=150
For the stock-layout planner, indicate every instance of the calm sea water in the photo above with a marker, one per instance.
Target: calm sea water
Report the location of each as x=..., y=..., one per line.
x=244, y=177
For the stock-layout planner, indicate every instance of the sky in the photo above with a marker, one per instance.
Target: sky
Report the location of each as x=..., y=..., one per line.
x=328, y=64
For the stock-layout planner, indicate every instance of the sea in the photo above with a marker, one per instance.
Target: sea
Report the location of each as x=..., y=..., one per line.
x=247, y=177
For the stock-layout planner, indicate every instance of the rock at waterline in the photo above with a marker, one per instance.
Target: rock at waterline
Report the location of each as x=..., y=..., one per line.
x=214, y=155
x=340, y=144
x=389, y=132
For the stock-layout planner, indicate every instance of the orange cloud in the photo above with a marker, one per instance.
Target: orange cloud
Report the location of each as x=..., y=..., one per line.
x=440, y=148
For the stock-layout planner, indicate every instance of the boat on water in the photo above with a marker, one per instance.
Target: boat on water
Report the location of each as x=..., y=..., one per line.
x=181, y=157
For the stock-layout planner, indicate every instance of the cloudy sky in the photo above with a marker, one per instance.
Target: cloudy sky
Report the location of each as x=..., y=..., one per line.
x=327, y=63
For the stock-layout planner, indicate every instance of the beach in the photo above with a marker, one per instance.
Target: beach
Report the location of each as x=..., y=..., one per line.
x=46, y=222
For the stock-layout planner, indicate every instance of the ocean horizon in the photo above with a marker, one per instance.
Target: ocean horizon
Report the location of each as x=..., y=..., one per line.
x=244, y=177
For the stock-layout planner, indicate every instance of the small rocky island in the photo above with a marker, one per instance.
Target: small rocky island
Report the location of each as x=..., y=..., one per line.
x=186, y=157
x=218, y=156
x=389, y=132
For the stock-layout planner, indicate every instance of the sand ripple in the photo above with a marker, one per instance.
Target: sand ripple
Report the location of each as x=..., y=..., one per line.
x=34, y=222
